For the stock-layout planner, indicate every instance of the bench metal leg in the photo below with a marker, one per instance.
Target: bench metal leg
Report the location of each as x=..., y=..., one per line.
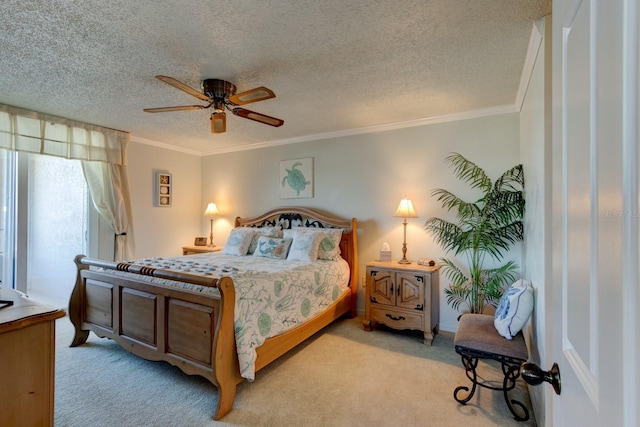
x=470, y=364
x=511, y=372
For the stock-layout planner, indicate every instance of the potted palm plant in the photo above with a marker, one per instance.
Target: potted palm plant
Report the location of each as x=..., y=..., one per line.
x=486, y=227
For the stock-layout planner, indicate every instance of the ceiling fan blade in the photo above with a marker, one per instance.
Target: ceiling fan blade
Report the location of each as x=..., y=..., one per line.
x=254, y=95
x=165, y=109
x=218, y=122
x=183, y=87
x=262, y=118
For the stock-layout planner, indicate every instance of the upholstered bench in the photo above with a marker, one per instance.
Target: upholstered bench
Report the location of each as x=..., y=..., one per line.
x=497, y=338
x=477, y=338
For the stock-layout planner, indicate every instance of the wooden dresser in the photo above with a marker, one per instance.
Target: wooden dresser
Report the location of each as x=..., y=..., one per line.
x=403, y=296
x=27, y=360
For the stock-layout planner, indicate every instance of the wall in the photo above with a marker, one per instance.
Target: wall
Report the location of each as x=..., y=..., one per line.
x=162, y=231
x=535, y=148
x=365, y=176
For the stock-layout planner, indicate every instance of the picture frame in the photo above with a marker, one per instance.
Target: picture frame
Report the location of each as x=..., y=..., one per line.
x=296, y=178
x=163, y=194
x=200, y=241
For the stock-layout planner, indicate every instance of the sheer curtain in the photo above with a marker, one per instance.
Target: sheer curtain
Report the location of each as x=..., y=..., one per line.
x=109, y=191
x=103, y=155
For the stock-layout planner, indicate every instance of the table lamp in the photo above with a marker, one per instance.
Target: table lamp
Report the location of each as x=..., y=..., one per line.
x=405, y=210
x=211, y=211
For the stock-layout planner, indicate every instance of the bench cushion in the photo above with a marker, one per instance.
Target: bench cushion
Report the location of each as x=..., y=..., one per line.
x=477, y=332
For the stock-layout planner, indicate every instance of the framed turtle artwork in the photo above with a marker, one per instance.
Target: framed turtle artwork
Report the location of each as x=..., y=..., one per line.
x=296, y=178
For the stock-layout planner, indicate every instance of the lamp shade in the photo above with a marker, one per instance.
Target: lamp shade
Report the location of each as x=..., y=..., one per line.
x=211, y=210
x=405, y=209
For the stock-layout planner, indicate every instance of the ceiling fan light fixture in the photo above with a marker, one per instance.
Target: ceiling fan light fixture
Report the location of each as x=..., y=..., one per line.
x=218, y=122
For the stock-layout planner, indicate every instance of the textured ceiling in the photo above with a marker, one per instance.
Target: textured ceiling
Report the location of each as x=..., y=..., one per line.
x=335, y=65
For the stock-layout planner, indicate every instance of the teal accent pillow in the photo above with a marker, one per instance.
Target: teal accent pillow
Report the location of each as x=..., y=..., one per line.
x=514, y=309
x=263, y=231
x=272, y=247
x=239, y=241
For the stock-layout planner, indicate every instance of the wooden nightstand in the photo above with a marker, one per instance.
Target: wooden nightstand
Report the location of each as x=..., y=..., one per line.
x=403, y=296
x=192, y=249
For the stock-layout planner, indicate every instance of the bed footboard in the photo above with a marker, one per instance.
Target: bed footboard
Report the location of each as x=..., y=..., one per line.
x=191, y=331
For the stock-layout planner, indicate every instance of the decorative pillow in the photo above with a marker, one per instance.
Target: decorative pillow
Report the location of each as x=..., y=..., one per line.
x=304, y=246
x=272, y=247
x=239, y=241
x=329, y=245
x=514, y=309
x=263, y=231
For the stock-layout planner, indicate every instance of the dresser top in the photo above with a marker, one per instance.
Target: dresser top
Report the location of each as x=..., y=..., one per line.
x=24, y=311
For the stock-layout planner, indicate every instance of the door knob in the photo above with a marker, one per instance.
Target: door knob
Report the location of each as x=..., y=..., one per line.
x=532, y=374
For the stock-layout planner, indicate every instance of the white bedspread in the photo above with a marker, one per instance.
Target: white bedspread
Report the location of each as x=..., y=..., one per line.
x=272, y=296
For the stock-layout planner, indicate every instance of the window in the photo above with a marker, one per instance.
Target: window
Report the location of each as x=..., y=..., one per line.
x=44, y=225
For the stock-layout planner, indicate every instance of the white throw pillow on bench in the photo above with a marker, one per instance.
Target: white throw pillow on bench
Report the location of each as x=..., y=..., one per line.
x=515, y=308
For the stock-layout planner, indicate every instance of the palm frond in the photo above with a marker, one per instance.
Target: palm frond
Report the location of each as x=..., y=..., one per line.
x=497, y=279
x=455, y=275
x=444, y=232
x=451, y=201
x=511, y=180
x=456, y=297
x=469, y=172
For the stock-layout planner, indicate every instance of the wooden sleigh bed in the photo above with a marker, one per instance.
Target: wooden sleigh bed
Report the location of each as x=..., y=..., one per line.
x=195, y=332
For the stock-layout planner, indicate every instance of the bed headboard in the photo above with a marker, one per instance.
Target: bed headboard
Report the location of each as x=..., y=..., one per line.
x=295, y=216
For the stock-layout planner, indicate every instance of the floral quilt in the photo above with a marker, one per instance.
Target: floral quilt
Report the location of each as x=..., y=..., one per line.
x=272, y=295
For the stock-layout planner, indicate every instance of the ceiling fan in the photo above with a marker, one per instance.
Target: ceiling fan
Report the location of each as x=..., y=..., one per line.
x=220, y=94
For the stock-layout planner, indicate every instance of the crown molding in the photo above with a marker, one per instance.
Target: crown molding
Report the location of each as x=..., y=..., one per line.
x=472, y=114
x=535, y=41
x=164, y=145
x=484, y=112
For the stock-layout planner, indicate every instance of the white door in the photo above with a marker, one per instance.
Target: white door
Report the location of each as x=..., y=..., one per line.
x=594, y=321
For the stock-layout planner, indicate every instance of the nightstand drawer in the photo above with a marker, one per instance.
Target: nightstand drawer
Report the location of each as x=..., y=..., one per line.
x=397, y=319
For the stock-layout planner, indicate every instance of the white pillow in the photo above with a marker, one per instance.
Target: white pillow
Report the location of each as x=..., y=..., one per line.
x=514, y=309
x=239, y=241
x=263, y=231
x=271, y=247
x=329, y=244
x=304, y=246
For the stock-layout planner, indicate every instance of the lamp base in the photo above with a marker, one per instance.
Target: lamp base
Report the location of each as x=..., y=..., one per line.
x=211, y=245
x=404, y=259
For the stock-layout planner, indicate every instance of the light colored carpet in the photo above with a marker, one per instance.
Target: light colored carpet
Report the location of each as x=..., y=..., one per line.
x=342, y=376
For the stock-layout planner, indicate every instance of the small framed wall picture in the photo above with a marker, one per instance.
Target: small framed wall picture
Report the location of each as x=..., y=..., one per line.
x=163, y=191
x=200, y=241
x=296, y=178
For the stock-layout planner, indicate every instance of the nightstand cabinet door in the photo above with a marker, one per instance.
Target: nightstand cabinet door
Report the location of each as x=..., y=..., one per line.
x=410, y=290
x=381, y=283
